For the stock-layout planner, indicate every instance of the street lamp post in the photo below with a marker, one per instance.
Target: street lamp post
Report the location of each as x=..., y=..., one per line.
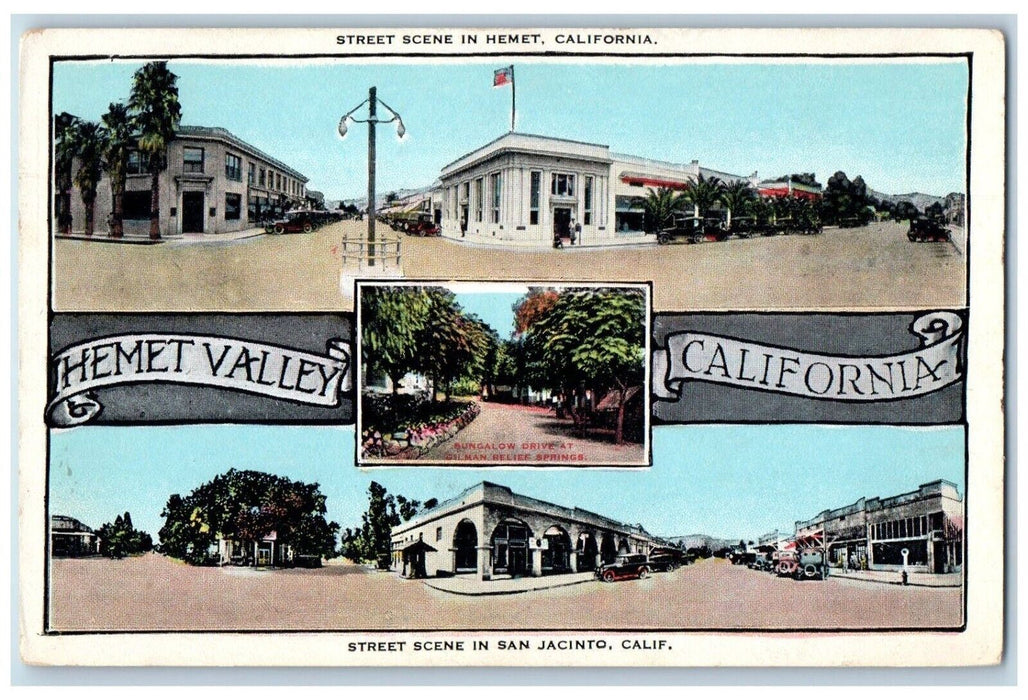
x=371, y=121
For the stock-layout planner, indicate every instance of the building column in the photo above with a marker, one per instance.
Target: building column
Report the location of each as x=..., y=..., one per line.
x=537, y=562
x=573, y=561
x=485, y=568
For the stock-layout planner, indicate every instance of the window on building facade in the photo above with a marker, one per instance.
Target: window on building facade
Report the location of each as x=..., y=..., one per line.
x=494, y=181
x=438, y=534
x=478, y=199
x=251, y=175
x=587, y=217
x=233, y=167
x=465, y=191
x=535, y=186
x=135, y=164
x=278, y=181
x=192, y=160
x=562, y=185
x=233, y=206
x=262, y=177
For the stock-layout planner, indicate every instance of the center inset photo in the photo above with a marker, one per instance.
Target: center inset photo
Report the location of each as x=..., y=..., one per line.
x=508, y=374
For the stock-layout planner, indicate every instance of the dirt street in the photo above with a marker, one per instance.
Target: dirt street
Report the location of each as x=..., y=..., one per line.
x=156, y=593
x=512, y=434
x=874, y=267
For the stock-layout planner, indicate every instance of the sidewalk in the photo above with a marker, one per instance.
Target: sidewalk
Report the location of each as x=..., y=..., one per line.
x=895, y=578
x=473, y=240
x=472, y=585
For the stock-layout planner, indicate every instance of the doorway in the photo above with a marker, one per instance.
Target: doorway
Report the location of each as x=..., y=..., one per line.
x=562, y=222
x=192, y=212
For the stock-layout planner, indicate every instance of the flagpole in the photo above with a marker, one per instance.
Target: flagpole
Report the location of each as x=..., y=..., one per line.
x=513, y=97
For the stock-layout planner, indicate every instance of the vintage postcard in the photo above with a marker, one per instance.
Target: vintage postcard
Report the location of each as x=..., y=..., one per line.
x=537, y=347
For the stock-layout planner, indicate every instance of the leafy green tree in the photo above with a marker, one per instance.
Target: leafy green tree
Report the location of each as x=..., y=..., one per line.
x=393, y=321
x=65, y=146
x=590, y=337
x=374, y=536
x=119, y=539
x=119, y=131
x=905, y=210
x=246, y=506
x=660, y=206
x=157, y=113
x=704, y=193
x=89, y=140
x=453, y=344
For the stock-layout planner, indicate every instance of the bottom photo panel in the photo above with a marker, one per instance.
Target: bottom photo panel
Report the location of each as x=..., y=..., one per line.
x=734, y=528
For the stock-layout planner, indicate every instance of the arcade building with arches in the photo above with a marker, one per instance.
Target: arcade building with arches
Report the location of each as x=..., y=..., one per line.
x=491, y=532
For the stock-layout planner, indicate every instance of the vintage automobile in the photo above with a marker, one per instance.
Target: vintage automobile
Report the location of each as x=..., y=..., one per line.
x=810, y=564
x=693, y=229
x=667, y=559
x=624, y=566
x=295, y=222
x=928, y=230
x=786, y=562
x=424, y=226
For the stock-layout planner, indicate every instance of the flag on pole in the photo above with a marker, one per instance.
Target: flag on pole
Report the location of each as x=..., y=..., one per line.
x=503, y=76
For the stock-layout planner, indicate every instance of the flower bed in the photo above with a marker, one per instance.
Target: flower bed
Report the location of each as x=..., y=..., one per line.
x=414, y=440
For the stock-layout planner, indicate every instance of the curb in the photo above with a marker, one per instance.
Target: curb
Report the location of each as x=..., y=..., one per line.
x=896, y=583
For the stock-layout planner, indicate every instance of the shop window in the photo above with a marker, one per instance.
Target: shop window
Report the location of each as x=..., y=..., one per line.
x=233, y=204
x=192, y=160
x=233, y=167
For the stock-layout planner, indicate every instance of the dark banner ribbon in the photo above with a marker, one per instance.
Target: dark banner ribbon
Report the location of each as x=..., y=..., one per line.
x=201, y=360
x=723, y=360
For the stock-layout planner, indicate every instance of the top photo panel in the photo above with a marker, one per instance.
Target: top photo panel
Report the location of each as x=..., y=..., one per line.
x=272, y=184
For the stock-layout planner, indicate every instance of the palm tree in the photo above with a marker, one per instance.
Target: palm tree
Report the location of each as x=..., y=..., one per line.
x=738, y=198
x=661, y=205
x=89, y=139
x=704, y=193
x=65, y=128
x=156, y=110
x=119, y=128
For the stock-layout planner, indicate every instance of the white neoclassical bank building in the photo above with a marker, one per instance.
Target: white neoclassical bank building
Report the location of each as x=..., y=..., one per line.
x=522, y=189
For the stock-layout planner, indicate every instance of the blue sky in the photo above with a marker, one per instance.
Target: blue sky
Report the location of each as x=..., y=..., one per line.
x=734, y=480
x=496, y=309
x=901, y=125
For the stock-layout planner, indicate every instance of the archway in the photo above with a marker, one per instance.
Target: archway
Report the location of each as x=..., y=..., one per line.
x=586, y=548
x=557, y=553
x=465, y=547
x=509, y=543
x=608, y=550
x=623, y=547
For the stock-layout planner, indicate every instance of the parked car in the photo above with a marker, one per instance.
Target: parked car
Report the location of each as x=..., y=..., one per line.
x=624, y=566
x=424, y=226
x=693, y=229
x=295, y=222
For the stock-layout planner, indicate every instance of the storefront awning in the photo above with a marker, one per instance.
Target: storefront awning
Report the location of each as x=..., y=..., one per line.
x=644, y=180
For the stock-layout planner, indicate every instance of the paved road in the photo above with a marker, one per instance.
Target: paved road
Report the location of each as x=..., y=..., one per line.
x=512, y=434
x=156, y=593
x=871, y=267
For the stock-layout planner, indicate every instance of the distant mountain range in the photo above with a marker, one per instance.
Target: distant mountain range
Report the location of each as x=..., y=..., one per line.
x=919, y=199
x=698, y=540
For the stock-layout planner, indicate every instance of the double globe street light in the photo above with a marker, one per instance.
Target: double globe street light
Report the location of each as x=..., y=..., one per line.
x=372, y=102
